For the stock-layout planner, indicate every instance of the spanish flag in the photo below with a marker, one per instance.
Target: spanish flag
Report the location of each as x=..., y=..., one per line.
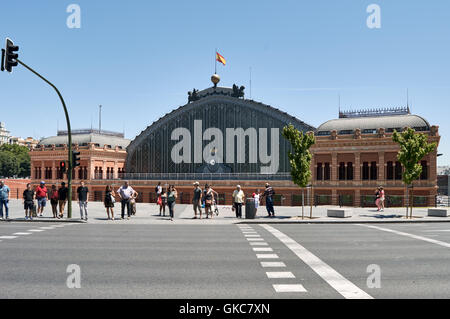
x=220, y=58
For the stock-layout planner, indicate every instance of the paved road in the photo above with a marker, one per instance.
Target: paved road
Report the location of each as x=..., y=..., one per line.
x=224, y=261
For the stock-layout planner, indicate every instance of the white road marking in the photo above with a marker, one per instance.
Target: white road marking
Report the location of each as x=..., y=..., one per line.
x=437, y=230
x=47, y=228
x=331, y=276
x=22, y=234
x=274, y=264
x=252, y=236
x=255, y=239
x=8, y=237
x=279, y=274
x=289, y=288
x=267, y=256
x=259, y=244
x=249, y=232
x=433, y=241
x=36, y=230
x=262, y=249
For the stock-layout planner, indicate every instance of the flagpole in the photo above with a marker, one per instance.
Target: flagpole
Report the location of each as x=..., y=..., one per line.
x=215, y=61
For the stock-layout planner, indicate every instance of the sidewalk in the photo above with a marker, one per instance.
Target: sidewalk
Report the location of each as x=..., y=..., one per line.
x=149, y=214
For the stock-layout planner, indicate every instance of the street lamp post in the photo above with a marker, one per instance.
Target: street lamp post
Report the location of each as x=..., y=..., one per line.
x=69, y=172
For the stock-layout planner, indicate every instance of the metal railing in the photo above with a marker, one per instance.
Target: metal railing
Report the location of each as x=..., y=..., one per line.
x=206, y=176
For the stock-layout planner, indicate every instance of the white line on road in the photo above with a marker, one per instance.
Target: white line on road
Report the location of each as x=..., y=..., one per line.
x=258, y=244
x=274, y=264
x=331, y=276
x=47, y=228
x=289, y=288
x=433, y=241
x=252, y=236
x=8, y=237
x=279, y=274
x=267, y=256
x=262, y=249
x=255, y=239
x=22, y=234
x=36, y=230
x=437, y=230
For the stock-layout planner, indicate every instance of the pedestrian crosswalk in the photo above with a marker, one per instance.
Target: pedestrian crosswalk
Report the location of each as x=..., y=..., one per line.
x=31, y=232
x=264, y=252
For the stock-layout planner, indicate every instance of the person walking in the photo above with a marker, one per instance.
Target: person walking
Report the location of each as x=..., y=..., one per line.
x=41, y=196
x=377, y=199
x=28, y=202
x=209, y=199
x=171, y=198
x=62, y=199
x=4, y=200
x=238, y=201
x=109, y=202
x=382, y=198
x=268, y=194
x=125, y=193
x=197, y=200
x=83, y=200
x=162, y=202
x=54, y=201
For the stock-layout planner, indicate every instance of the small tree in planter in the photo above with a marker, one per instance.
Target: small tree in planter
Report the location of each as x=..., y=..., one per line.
x=413, y=147
x=300, y=157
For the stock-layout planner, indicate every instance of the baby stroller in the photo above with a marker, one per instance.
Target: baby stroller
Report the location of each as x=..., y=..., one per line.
x=214, y=207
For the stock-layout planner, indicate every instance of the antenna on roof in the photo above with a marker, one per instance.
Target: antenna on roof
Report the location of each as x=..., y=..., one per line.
x=339, y=104
x=407, y=101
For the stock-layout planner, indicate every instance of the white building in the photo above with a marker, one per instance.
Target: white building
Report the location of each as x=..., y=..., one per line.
x=4, y=134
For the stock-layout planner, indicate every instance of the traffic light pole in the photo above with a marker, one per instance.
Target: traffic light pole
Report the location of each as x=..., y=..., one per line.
x=69, y=173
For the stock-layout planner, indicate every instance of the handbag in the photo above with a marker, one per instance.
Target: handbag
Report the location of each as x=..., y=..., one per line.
x=113, y=200
x=159, y=201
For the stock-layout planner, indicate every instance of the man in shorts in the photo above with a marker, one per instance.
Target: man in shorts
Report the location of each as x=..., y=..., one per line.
x=28, y=202
x=41, y=196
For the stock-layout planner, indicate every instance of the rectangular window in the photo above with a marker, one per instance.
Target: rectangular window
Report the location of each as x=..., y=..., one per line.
x=398, y=171
x=350, y=171
x=390, y=171
x=373, y=171
x=365, y=171
x=327, y=173
x=342, y=171
x=424, y=174
x=319, y=172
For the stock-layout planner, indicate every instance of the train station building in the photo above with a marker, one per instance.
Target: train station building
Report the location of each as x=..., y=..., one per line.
x=223, y=139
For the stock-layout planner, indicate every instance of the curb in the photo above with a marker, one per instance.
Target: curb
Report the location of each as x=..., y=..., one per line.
x=346, y=222
x=43, y=221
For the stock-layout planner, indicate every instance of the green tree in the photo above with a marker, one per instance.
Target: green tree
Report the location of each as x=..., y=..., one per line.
x=413, y=148
x=14, y=161
x=300, y=157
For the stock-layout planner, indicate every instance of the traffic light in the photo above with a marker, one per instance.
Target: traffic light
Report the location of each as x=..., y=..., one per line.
x=63, y=166
x=75, y=159
x=10, y=60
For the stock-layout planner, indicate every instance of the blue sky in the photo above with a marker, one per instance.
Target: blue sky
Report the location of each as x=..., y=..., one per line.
x=139, y=58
